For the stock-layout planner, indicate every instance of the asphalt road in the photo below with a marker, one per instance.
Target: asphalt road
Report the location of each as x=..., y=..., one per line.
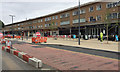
x=102, y=53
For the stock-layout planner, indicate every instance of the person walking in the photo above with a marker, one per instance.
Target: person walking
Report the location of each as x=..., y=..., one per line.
x=116, y=38
x=101, y=37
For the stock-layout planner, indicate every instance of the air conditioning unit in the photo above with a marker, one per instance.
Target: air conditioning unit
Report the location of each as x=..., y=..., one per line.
x=35, y=62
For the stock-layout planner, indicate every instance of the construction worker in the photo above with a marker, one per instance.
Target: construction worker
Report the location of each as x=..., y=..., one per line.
x=101, y=37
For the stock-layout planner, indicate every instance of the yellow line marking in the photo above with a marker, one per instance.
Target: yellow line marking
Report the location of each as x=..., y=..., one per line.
x=83, y=53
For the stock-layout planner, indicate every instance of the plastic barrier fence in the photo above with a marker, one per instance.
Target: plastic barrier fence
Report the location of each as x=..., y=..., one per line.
x=31, y=60
x=35, y=62
x=20, y=54
x=26, y=57
x=39, y=39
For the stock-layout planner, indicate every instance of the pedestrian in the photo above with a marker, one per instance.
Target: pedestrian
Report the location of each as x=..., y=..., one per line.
x=116, y=38
x=101, y=37
x=13, y=36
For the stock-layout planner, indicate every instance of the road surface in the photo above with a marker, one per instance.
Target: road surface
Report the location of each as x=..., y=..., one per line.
x=11, y=62
x=69, y=58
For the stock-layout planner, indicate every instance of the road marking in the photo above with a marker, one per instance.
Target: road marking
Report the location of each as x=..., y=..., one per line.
x=84, y=53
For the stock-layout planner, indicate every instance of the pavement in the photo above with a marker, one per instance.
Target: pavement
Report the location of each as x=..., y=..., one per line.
x=68, y=60
x=89, y=44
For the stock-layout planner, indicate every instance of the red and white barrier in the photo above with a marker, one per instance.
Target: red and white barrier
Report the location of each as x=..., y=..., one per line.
x=20, y=54
x=26, y=57
x=16, y=53
x=31, y=60
x=35, y=62
x=12, y=51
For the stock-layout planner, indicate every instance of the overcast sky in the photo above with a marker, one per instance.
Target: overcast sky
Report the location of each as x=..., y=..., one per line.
x=23, y=9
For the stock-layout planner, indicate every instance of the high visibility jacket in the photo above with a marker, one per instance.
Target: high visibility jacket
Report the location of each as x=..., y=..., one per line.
x=101, y=34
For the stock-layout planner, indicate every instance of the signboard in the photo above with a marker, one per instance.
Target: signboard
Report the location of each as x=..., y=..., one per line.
x=1, y=34
x=38, y=34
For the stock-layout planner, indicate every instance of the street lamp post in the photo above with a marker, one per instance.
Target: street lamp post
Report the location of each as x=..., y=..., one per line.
x=79, y=23
x=12, y=21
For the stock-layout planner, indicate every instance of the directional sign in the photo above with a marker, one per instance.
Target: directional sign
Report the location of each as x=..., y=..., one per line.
x=38, y=34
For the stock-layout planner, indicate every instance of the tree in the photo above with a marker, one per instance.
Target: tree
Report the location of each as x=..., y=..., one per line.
x=107, y=22
x=52, y=27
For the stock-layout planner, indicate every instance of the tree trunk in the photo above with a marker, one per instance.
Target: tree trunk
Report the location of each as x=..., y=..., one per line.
x=107, y=33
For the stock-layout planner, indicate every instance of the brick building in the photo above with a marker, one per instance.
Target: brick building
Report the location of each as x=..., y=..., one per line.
x=92, y=21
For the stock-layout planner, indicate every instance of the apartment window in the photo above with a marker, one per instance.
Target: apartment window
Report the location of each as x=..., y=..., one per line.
x=64, y=15
x=82, y=11
x=56, y=17
x=45, y=19
x=109, y=16
x=98, y=17
x=115, y=15
x=81, y=20
x=53, y=17
x=91, y=9
x=19, y=28
x=109, y=5
x=30, y=27
x=98, y=7
x=36, y=26
x=29, y=22
x=34, y=21
x=64, y=22
x=49, y=18
x=92, y=19
x=46, y=25
x=38, y=21
x=41, y=25
x=22, y=24
x=67, y=15
x=56, y=23
x=41, y=20
x=75, y=13
x=115, y=4
x=18, y=24
x=75, y=21
x=119, y=15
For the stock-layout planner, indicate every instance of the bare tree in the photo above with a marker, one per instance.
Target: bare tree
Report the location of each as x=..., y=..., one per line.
x=107, y=22
x=52, y=27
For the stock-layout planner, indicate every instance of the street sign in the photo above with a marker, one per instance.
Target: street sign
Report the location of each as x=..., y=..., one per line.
x=1, y=34
x=38, y=34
